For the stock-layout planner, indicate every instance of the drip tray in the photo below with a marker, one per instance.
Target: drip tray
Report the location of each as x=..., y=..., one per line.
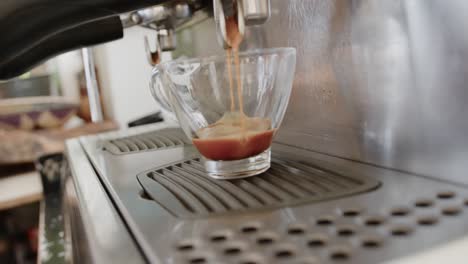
x=186, y=191
x=162, y=139
x=307, y=208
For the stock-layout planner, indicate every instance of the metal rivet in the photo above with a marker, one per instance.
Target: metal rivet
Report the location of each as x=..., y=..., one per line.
x=445, y=195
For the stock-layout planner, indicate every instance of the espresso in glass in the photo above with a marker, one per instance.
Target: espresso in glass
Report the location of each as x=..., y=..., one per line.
x=230, y=106
x=234, y=136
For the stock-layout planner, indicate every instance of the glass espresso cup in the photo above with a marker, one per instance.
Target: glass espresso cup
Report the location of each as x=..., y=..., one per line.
x=229, y=108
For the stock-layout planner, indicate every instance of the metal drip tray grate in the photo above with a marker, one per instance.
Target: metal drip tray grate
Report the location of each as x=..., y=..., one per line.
x=186, y=191
x=156, y=140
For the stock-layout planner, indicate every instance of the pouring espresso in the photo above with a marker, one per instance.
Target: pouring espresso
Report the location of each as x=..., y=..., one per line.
x=234, y=136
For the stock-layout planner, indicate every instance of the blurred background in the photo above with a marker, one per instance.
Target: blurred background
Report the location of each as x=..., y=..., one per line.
x=42, y=108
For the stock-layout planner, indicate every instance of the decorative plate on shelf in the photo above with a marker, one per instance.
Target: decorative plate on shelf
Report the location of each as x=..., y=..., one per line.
x=29, y=113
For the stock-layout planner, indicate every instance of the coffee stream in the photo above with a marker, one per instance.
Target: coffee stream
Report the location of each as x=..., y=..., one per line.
x=234, y=136
x=231, y=85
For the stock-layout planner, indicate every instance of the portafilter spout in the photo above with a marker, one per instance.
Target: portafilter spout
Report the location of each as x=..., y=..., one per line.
x=245, y=12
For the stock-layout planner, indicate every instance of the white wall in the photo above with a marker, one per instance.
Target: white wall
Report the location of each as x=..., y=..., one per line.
x=68, y=65
x=124, y=74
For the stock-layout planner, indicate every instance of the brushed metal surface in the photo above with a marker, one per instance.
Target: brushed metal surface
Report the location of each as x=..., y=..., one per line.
x=403, y=202
x=378, y=81
x=98, y=232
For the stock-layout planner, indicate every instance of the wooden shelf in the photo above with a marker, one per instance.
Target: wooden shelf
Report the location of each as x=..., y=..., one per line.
x=20, y=189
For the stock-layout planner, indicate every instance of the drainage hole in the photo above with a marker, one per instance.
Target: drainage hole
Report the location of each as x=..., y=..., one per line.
x=466, y=202
x=318, y=241
x=345, y=231
x=144, y=195
x=445, y=195
x=325, y=221
x=232, y=251
x=424, y=203
x=296, y=230
x=452, y=210
x=427, y=220
x=249, y=262
x=265, y=240
x=373, y=221
x=351, y=212
x=284, y=253
x=401, y=231
x=400, y=211
x=218, y=238
x=340, y=255
x=249, y=229
x=371, y=243
x=198, y=260
x=185, y=247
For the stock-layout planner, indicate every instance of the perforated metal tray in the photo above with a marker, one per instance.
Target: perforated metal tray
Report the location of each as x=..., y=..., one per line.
x=178, y=215
x=344, y=235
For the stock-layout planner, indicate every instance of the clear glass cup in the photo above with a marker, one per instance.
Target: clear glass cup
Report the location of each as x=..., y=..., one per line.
x=233, y=142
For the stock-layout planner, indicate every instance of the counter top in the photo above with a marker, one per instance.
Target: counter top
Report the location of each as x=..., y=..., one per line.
x=20, y=189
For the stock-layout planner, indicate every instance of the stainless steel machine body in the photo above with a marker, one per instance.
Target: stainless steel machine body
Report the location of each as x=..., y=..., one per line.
x=382, y=82
x=378, y=100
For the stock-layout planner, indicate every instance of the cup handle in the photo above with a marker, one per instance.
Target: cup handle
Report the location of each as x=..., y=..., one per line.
x=157, y=89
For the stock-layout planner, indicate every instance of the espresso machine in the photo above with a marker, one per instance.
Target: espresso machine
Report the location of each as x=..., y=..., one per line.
x=369, y=165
